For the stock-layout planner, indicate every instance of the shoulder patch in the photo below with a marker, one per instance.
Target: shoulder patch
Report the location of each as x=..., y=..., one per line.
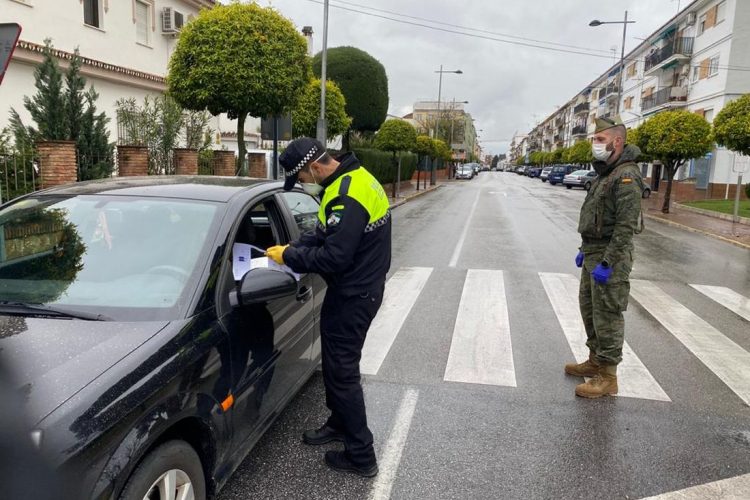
x=627, y=180
x=334, y=218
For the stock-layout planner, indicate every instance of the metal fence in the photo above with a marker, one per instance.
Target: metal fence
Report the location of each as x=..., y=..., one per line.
x=19, y=175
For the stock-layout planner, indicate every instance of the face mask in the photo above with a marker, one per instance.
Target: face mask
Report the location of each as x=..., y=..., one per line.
x=600, y=152
x=312, y=188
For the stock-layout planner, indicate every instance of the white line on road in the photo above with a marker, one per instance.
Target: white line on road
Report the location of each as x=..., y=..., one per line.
x=729, y=361
x=394, y=447
x=401, y=293
x=734, y=488
x=727, y=298
x=633, y=378
x=481, y=351
x=460, y=244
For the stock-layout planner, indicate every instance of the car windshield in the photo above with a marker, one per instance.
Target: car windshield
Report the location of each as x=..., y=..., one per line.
x=580, y=172
x=125, y=258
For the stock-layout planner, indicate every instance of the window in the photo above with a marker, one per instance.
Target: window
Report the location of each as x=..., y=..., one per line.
x=304, y=208
x=695, y=73
x=703, y=69
x=629, y=102
x=631, y=71
x=713, y=66
x=702, y=24
x=141, y=22
x=721, y=12
x=91, y=13
x=708, y=114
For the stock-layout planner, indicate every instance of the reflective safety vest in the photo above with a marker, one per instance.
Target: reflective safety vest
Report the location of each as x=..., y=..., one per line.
x=362, y=186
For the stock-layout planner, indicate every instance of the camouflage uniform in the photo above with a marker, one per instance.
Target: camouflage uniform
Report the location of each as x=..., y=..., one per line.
x=610, y=215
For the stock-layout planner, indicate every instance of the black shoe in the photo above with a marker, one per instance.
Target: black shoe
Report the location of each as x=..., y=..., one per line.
x=339, y=461
x=322, y=436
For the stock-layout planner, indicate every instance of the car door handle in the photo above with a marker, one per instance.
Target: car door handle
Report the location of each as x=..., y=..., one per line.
x=305, y=293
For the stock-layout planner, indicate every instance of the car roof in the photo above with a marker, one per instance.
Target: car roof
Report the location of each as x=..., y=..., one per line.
x=197, y=187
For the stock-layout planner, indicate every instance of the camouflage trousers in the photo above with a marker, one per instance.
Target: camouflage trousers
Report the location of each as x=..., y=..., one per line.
x=602, y=305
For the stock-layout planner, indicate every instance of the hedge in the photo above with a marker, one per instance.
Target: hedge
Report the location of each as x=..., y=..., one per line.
x=380, y=164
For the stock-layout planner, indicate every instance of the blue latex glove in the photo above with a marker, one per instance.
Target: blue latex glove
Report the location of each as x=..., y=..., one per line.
x=601, y=274
x=579, y=259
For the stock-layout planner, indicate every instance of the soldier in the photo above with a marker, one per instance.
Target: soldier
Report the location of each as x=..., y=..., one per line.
x=351, y=250
x=610, y=216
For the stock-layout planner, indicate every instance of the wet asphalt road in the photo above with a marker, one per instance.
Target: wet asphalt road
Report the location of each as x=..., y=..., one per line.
x=534, y=440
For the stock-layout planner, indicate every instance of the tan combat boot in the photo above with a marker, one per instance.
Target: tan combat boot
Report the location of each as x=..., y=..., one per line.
x=588, y=368
x=604, y=383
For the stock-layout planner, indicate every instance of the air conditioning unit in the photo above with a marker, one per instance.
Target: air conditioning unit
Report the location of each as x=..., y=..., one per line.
x=691, y=17
x=171, y=20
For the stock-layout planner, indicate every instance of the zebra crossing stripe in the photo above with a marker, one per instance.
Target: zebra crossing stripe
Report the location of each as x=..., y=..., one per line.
x=481, y=351
x=734, y=488
x=729, y=361
x=401, y=293
x=727, y=298
x=633, y=378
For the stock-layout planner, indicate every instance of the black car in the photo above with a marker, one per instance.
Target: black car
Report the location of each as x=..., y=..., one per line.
x=148, y=356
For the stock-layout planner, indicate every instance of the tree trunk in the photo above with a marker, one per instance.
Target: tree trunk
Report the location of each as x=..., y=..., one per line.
x=240, y=168
x=395, y=167
x=671, y=170
x=345, y=140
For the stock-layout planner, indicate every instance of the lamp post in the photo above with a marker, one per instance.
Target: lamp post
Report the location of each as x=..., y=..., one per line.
x=624, y=23
x=437, y=125
x=322, y=128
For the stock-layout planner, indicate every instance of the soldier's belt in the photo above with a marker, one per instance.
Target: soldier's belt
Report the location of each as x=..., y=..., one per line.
x=595, y=241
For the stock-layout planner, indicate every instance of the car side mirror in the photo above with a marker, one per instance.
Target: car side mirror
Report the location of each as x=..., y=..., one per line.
x=261, y=285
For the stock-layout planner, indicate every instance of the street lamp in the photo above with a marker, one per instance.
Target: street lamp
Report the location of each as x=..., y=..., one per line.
x=322, y=126
x=624, y=23
x=433, y=175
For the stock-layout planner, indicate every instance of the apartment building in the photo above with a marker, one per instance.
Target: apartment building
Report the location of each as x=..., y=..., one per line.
x=456, y=126
x=699, y=60
x=125, y=46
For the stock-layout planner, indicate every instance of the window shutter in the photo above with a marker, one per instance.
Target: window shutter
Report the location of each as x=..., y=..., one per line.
x=701, y=112
x=711, y=16
x=704, y=69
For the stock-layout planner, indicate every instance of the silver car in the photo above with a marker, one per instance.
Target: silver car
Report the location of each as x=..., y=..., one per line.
x=579, y=178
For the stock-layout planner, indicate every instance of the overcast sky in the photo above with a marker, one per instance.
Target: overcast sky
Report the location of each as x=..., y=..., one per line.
x=509, y=87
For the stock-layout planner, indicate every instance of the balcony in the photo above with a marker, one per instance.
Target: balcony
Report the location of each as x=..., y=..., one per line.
x=678, y=49
x=666, y=97
x=580, y=130
x=584, y=106
x=612, y=90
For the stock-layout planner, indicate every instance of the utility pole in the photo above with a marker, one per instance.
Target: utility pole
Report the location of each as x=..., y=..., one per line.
x=322, y=128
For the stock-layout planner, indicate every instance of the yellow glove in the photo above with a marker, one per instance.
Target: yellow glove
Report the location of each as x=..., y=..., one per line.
x=276, y=253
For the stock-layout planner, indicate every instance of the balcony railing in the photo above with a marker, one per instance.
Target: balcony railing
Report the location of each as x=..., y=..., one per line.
x=580, y=130
x=664, y=96
x=679, y=46
x=612, y=89
x=584, y=106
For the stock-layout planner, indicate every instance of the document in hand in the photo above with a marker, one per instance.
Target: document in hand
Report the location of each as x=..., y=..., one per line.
x=242, y=261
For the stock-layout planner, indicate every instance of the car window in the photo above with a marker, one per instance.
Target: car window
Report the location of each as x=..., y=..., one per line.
x=304, y=208
x=123, y=257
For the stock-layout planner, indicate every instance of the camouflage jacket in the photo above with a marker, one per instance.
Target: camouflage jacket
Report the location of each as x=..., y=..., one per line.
x=611, y=212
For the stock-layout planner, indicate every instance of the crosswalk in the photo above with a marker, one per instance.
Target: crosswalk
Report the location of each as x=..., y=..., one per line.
x=481, y=351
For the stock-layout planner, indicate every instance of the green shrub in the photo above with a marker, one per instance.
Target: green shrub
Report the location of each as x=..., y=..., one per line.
x=378, y=163
x=747, y=190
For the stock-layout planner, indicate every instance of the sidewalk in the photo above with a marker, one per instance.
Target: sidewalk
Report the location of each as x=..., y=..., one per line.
x=408, y=191
x=737, y=234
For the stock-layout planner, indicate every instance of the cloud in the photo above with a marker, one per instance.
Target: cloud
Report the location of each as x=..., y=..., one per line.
x=508, y=86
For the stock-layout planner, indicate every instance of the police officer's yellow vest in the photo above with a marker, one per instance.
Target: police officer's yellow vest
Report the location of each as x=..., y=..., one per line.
x=363, y=187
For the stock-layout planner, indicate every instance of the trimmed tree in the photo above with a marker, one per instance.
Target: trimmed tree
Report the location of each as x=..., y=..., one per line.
x=363, y=82
x=579, y=153
x=673, y=138
x=396, y=136
x=424, y=148
x=732, y=125
x=239, y=59
x=307, y=111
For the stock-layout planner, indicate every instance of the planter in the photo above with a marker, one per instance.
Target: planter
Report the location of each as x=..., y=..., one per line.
x=57, y=162
x=224, y=163
x=132, y=161
x=186, y=161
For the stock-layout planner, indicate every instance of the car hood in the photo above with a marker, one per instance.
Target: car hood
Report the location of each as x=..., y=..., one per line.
x=52, y=359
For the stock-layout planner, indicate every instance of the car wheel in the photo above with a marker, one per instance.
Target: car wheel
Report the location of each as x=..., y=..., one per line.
x=553, y=183
x=569, y=187
x=587, y=186
x=172, y=470
x=646, y=193
x=544, y=180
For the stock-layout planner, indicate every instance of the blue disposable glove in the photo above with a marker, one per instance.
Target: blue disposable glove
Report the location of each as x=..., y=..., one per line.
x=579, y=259
x=601, y=274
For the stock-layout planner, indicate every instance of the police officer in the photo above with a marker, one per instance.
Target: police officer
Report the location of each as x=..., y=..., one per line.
x=351, y=250
x=610, y=216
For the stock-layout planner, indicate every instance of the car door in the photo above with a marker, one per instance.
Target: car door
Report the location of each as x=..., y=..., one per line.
x=302, y=216
x=270, y=342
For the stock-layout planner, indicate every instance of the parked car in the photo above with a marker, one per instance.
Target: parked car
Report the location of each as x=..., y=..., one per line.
x=465, y=171
x=544, y=174
x=579, y=178
x=558, y=173
x=152, y=350
x=520, y=169
x=534, y=171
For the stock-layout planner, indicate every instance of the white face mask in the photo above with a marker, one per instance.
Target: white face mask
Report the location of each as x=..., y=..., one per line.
x=600, y=152
x=312, y=188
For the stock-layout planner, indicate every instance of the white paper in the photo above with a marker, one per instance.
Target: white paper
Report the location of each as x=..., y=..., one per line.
x=242, y=262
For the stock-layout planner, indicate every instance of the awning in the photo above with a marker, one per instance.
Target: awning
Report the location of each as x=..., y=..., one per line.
x=667, y=33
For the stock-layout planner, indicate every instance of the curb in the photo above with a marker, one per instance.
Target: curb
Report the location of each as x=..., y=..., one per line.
x=699, y=231
x=711, y=213
x=415, y=195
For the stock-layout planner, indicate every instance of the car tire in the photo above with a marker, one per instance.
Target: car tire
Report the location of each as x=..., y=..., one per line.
x=646, y=193
x=544, y=180
x=173, y=457
x=569, y=187
x=587, y=186
x=552, y=183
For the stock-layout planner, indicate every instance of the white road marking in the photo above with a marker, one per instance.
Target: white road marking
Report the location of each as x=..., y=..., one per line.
x=460, y=244
x=394, y=447
x=727, y=298
x=481, y=351
x=633, y=378
x=734, y=488
x=401, y=293
x=729, y=361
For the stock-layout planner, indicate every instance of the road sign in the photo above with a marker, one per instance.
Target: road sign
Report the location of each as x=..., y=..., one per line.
x=9, y=33
x=741, y=164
